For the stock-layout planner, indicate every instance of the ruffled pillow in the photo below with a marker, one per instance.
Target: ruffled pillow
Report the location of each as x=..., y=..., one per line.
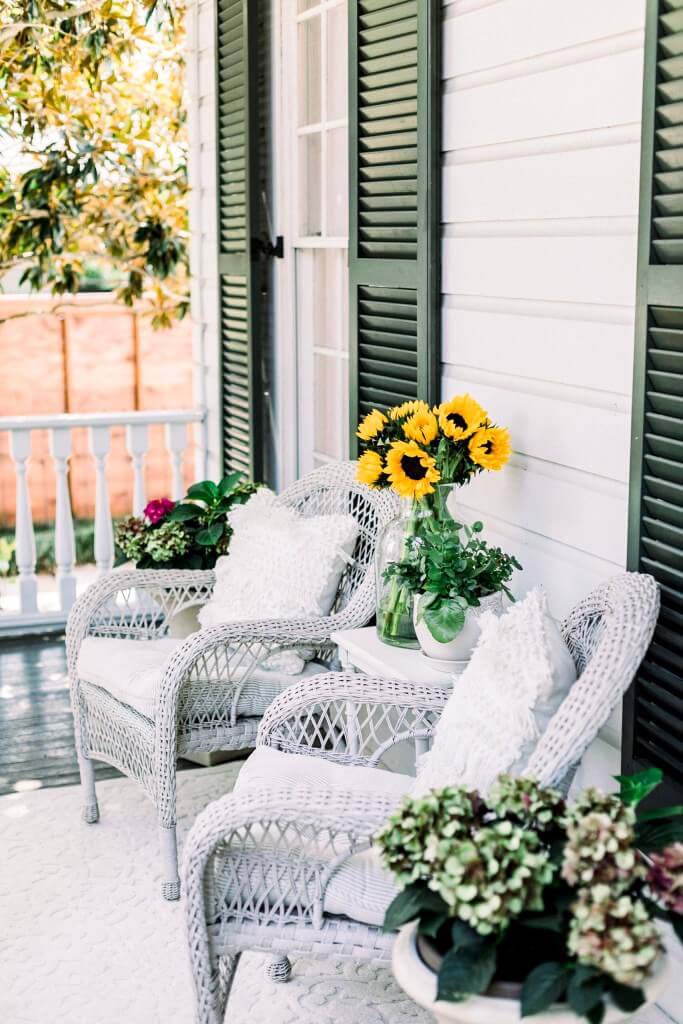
x=519, y=674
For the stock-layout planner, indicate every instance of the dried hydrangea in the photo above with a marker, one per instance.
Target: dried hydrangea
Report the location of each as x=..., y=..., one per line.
x=665, y=877
x=487, y=874
x=419, y=832
x=524, y=799
x=130, y=537
x=167, y=541
x=613, y=933
x=600, y=843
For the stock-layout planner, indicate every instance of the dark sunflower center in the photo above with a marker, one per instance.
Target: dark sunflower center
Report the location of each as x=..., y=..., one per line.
x=487, y=447
x=457, y=420
x=413, y=468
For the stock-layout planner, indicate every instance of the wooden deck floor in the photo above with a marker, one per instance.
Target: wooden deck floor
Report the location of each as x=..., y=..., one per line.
x=36, y=727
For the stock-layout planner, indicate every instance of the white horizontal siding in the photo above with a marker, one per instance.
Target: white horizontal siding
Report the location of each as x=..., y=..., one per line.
x=541, y=128
x=203, y=217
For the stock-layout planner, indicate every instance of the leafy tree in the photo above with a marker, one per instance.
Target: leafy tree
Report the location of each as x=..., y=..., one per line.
x=92, y=115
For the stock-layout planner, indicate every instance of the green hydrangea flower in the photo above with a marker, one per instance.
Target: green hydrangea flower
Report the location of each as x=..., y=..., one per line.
x=600, y=847
x=613, y=933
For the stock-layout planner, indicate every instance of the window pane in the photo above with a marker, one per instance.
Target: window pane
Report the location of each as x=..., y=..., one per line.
x=337, y=183
x=309, y=185
x=337, y=62
x=309, y=71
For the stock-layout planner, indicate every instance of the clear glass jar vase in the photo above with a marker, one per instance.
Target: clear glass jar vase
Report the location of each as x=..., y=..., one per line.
x=394, y=611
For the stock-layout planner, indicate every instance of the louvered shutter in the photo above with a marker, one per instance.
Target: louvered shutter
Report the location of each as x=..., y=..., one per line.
x=239, y=274
x=394, y=202
x=653, y=720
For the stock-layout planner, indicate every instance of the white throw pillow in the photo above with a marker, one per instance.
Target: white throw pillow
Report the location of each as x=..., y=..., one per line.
x=281, y=565
x=519, y=674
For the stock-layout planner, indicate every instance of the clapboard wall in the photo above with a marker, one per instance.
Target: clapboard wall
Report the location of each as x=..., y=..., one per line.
x=541, y=131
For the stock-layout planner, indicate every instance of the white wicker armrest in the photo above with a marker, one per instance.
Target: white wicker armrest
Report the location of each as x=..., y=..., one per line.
x=98, y=605
x=350, y=718
x=269, y=825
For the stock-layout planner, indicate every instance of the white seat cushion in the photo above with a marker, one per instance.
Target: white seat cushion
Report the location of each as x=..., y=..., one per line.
x=131, y=671
x=361, y=888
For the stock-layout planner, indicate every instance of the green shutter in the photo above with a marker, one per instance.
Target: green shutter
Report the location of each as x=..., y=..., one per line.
x=653, y=720
x=239, y=274
x=394, y=202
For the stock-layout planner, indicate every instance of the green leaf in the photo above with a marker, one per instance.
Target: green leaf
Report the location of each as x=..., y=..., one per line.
x=430, y=922
x=677, y=923
x=544, y=922
x=182, y=513
x=444, y=620
x=466, y=972
x=653, y=836
x=211, y=535
x=635, y=788
x=408, y=905
x=463, y=936
x=206, y=491
x=229, y=483
x=545, y=985
x=595, y=1015
x=661, y=812
x=626, y=998
x=585, y=989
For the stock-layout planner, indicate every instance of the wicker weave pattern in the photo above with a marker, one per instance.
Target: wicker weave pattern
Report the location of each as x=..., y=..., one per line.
x=198, y=703
x=254, y=876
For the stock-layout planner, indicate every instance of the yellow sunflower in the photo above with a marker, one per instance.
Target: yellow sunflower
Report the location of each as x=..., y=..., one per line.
x=421, y=427
x=371, y=426
x=370, y=468
x=411, y=470
x=460, y=417
x=407, y=409
x=490, y=447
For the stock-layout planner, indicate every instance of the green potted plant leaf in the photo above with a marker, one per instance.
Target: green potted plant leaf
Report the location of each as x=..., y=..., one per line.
x=453, y=575
x=520, y=905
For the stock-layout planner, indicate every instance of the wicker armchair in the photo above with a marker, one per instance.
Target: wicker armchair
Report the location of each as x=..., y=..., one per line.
x=208, y=695
x=260, y=864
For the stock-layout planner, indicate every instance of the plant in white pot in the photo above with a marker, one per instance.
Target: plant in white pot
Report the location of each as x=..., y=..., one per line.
x=454, y=576
x=521, y=905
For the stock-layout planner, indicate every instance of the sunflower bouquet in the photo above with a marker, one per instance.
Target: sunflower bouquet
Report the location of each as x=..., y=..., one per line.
x=421, y=453
x=412, y=447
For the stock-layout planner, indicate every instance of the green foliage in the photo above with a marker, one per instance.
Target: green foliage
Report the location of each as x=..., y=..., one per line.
x=191, y=534
x=521, y=887
x=84, y=535
x=91, y=95
x=454, y=568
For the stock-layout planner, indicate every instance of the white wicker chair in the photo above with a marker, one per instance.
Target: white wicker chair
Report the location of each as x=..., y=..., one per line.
x=258, y=863
x=206, y=699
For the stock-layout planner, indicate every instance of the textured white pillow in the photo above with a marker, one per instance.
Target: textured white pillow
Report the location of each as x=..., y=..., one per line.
x=519, y=674
x=281, y=564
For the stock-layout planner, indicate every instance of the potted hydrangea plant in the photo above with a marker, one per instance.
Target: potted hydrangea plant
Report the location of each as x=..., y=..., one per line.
x=453, y=575
x=521, y=904
x=189, y=534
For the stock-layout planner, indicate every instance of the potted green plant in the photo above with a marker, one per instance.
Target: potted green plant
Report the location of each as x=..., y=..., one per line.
x=453, y=575
x=520, y=904
x=190, y=534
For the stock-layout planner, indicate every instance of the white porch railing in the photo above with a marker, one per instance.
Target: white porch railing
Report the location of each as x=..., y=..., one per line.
x=29, y=615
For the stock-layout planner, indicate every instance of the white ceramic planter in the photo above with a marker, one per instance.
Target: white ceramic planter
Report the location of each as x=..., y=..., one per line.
x=419, y=982
x=461, y=647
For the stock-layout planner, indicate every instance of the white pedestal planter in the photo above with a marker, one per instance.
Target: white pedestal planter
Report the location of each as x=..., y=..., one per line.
x=419, y=982
x=461, y=647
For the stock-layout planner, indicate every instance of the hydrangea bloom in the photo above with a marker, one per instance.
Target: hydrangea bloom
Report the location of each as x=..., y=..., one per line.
x=614, y=934
x=665, y=877
x=600, y=843
x=157, y=510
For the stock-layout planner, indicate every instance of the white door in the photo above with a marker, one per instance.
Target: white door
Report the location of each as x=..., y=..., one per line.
x=312, y=191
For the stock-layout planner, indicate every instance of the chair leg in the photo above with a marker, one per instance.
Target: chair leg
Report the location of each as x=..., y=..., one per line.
x=227, y=966
x=170, y=886
x=279, y=969
x=90, y=811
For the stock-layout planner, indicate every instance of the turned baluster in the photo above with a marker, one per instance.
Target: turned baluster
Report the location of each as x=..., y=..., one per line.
x=24, y=539
x=100, y=441
x=137, y=440
x=176, y=439
x=65, y=544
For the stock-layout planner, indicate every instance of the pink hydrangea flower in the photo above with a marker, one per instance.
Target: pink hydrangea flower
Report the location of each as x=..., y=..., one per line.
x=158, y=509
x=666, y=877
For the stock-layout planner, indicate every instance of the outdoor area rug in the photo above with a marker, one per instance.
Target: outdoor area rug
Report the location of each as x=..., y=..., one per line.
x=87, y=939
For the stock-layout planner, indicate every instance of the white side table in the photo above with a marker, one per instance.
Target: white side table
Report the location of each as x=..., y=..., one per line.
x=363, y=651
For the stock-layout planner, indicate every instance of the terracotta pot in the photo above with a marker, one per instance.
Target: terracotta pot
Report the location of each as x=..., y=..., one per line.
x=461, y=646
x=418, y=980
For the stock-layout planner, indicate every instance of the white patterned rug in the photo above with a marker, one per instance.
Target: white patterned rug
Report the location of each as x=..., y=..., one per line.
x=85, y=937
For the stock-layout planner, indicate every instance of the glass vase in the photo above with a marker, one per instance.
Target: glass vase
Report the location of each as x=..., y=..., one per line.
x=394, y=611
